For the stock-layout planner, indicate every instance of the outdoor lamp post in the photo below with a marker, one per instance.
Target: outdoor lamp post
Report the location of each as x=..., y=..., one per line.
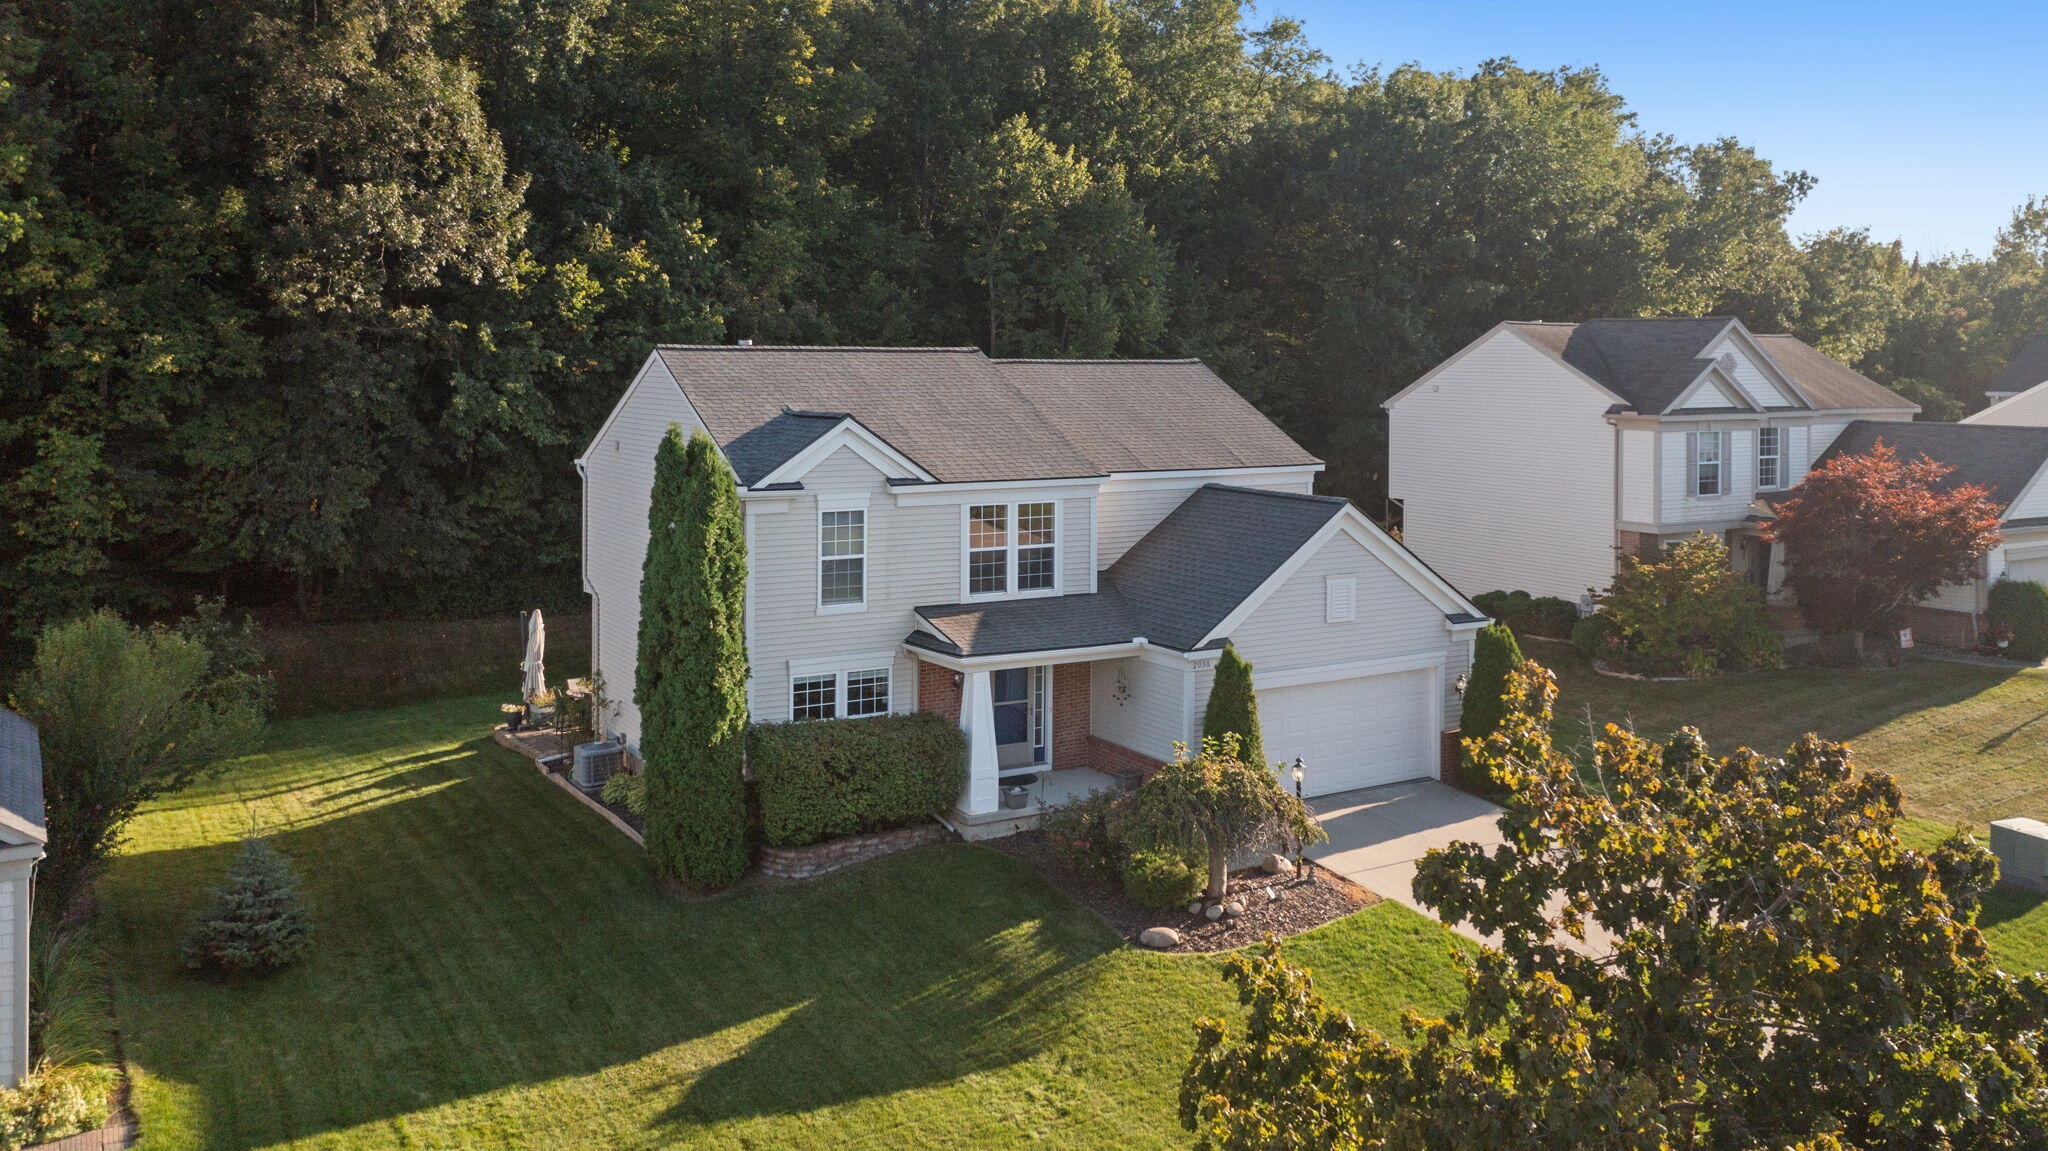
x=1460, y=684
x=1301, y=861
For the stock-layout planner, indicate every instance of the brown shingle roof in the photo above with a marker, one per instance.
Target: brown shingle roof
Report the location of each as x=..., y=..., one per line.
x=966, y=418
x=1649, y=361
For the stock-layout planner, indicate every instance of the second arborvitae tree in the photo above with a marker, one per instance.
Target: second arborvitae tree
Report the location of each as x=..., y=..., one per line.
x=691, y=685
x=1495, y=656
x=1234, y=707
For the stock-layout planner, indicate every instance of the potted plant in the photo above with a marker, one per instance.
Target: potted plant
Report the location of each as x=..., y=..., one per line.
x=514, y=713
x=540, y=709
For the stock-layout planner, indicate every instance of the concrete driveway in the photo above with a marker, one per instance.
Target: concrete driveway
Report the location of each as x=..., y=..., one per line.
x=1377, y=834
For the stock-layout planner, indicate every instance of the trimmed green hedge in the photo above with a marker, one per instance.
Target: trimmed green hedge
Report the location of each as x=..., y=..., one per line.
x=2021, y=608
x=1531, y=615
x=822, y=778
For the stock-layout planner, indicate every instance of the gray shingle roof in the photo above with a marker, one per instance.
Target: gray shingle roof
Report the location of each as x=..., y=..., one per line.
x=1648, y=362
x=1174, y=585
x=2029, y=366
x=2003, y=459
x=21, y=775
x=966, y=418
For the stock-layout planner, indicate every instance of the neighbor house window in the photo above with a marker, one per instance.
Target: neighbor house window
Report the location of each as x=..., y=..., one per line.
x=1012, y=547
x=1706, y=463
x=1770, y=468
x=839, y=694
x=842, y=558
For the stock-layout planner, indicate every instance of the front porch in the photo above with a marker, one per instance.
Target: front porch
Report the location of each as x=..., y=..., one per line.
x=1032, y=734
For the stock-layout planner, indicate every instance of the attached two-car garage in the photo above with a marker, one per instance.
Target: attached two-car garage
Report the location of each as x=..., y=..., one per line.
x=1355, y=732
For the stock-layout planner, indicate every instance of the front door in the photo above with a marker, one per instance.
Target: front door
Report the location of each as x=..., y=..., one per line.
x=1019, y=695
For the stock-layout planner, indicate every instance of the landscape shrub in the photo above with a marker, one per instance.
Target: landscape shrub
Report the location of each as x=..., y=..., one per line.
x=1495, y=656
x=1162, y=878
x=253, y=922
x=52, y=1102
x=1592, y=635
x=1687, y=613
x=627, y=791
x=1233, y=707
x=1220, y=802
x=1084, y=835
x=821, y=778
x=2020, y=607
x=1546, y=615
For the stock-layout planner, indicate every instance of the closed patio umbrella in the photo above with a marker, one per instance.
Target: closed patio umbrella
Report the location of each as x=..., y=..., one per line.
x=534, y=681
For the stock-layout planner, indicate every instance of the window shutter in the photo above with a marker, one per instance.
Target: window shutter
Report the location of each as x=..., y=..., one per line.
x=1692, y=463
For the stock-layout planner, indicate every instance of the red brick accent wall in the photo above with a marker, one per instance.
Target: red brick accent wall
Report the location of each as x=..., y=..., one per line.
x=1073, y=691
x=1936, y=625
x=1449, y=756
x=936, y=690
x=1641, y=545
x=1114, y=758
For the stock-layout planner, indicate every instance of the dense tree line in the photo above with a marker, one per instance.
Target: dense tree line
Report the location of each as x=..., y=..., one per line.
x=311, y=302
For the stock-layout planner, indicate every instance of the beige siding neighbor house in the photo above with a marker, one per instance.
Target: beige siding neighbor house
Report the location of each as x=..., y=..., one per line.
x=2019, y=396
x=1052, y=553
x=1539, y=453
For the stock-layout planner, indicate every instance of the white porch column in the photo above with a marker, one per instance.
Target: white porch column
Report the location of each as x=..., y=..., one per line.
x=978, y=720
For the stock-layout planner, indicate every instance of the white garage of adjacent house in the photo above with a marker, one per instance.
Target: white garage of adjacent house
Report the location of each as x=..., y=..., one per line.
x=22, y=838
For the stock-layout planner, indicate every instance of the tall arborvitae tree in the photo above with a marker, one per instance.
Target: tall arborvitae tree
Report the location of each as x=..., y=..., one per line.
x=1234, y=707
x=691, y=684
x=1495, y=656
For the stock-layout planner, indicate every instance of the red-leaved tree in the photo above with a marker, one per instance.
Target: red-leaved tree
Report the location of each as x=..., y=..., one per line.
x=1868, y=535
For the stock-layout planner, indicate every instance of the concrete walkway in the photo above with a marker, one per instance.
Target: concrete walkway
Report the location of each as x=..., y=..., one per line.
x=1378, y=834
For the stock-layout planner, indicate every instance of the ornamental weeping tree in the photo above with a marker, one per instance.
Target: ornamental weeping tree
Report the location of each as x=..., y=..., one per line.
x=1222, y=804
x=1774, y=969
x=1868, y=535
x=691, y=685
x=1233, y=707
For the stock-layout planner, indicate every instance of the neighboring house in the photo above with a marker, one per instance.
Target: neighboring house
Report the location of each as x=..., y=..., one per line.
x=2019, y=396
x=1050, y=552
x=22, y=837
x=2009, y=461
x=1540, y=452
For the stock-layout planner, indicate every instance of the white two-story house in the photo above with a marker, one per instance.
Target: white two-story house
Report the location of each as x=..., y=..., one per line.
x=1540, y=452
x=1050, y=552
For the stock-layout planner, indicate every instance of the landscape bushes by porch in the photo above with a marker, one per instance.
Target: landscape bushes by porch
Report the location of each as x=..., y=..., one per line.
x=2020, y=607
x=1162, y=878
x=822, y=778
x=1688, y=613
x=1530, y=615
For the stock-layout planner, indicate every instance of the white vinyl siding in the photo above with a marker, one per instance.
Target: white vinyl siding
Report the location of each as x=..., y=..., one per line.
x=2032, y=501
x=1393, y=620
x=1750, y=375
x=1710, y=396
x=1737, y=477
x=1505, y=466
x=1152, y=713
x=1129, y=508
x=1638, y=475
x=618, y=483
x=2029, y=409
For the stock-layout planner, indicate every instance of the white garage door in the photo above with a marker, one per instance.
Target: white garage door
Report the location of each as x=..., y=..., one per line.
x=1353, y=733
x=2032, y=568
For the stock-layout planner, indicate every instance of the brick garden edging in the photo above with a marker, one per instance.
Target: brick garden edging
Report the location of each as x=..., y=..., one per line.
x=818, y=859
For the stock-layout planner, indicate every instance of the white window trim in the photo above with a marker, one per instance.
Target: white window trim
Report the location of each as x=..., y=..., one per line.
x=846, y=502
x=1720, y=462
x=839, y=667
x=1777, y=455
x=1010, y=547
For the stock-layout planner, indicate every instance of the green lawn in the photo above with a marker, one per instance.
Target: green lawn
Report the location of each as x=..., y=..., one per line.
x=1967, y=744
x=493, y=969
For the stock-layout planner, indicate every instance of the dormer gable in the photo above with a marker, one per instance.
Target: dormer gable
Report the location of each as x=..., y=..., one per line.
x=1716, y=389
x=828, y=432
x=1740, y=358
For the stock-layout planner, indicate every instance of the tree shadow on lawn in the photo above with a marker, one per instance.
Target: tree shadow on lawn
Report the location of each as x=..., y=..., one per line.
x=479, y=930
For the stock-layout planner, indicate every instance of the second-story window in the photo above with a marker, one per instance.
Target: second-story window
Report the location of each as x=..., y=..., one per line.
x=1706, y=463
x=1012, y=547
x=842, y=558
x=1770, y=467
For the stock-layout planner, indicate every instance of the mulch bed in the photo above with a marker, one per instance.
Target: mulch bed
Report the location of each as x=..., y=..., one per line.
x=1303, y=903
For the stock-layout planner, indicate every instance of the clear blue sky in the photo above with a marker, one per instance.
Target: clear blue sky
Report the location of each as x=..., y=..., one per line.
x=1926, y=122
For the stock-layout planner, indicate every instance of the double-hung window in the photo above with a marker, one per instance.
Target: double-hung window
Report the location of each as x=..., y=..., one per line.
x=1706, y=463
x=840, y=694
x=1770, y=458
x=842, y=557
x=1012, y=547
